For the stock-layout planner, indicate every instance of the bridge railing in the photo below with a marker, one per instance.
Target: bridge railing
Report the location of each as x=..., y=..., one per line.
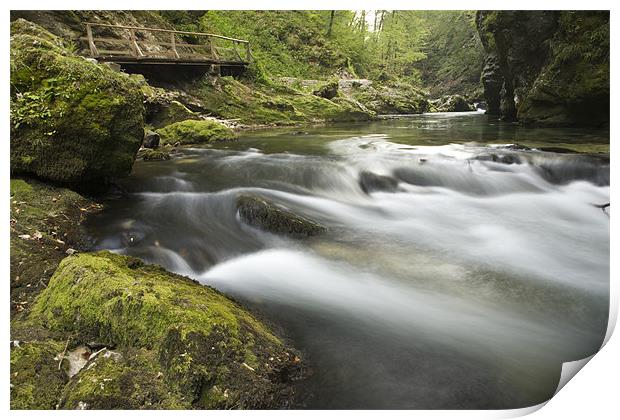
x=131, y=42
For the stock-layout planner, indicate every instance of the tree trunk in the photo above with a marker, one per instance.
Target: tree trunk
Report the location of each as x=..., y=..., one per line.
x=331, y=23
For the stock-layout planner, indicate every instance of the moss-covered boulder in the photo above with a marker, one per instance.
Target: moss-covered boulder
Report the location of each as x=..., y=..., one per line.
x=36, y=380
x=209, y=349
x=195, y=132
x=72, y=121
x=153, y=155
x=261, y=214
x=127, y=380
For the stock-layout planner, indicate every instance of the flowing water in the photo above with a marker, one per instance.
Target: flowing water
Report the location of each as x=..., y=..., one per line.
x=463, y=280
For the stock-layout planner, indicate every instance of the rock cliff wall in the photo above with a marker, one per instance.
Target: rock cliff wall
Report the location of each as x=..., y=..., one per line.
x=546, y=67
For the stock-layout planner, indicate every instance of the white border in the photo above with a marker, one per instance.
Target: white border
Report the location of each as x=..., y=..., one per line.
x=593, y=394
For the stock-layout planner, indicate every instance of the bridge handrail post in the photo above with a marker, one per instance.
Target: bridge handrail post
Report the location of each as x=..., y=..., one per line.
x=174, y=45
x=212, y=48
x=91, y=42
x=134, y=44
x=248, y=53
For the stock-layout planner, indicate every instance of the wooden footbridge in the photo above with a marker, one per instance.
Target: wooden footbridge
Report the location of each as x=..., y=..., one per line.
x=131, y=45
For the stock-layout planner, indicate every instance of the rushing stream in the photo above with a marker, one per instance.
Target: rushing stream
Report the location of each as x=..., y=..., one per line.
x=463, y=280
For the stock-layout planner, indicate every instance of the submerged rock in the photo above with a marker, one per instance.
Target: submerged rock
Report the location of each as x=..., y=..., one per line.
x=369, y=182
x=72, y=121
x=264, y=215
x=204, y=349
x=195, y=132
x=493, y=157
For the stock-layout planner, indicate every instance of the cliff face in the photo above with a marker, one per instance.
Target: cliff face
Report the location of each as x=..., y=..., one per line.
x=546, y=67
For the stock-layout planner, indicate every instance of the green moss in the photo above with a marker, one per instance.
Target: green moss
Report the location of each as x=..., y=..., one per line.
x=202, y=339
x=71, y=121
x=195, y=132
x=153, y=155
x=273, y=104
x=128, y=380
x=36, y=380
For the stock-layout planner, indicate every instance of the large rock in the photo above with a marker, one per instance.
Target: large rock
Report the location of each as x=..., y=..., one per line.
x=546, y=67
x=195, y=132
x=261, y=214
x=198, y=344
x=72, y=121
x=396, y=98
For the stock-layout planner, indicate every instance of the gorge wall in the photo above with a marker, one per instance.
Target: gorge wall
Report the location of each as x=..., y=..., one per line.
x=546, y=67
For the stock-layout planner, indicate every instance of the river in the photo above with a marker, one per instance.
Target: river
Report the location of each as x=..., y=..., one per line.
x=463, y=280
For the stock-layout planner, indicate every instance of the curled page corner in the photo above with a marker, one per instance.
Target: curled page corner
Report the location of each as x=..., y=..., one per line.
x=570, y=369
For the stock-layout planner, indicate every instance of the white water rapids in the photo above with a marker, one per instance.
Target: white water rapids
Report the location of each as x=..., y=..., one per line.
x=464, y=283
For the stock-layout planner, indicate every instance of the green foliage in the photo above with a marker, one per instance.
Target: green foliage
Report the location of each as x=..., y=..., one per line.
x=396, y=44
x=454, y=53
x=195, y=132
x=285, y=43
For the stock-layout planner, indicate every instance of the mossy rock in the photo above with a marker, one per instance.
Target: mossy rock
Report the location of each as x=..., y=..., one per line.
x=261, y=214
x=195, y=132
x=153, y=155
x=36, y=380
x=72, y=121
x=203, y=340
x=127, y=380
x=397, y=98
